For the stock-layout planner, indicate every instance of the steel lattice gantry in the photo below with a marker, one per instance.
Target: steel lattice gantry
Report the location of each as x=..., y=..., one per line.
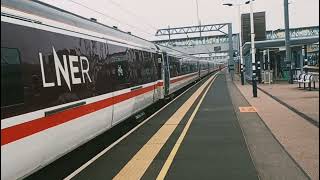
x=226, y=38
x=191, y=29
x=220, y=39
x=203, y=40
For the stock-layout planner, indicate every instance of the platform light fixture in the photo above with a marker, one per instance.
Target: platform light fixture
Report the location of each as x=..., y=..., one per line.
x=240, y=41
x=253, y=50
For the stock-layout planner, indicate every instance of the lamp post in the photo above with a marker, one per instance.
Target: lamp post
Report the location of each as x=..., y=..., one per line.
x=253, y=51
x=240, y=42
x=287, y=40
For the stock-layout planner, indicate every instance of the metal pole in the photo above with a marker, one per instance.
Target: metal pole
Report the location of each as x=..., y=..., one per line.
x=240, y=48
x=169, y=34
x=269, y=67
x=231, y=61
x=258, y=66
x=287, y=41
x=199, y=22
x=253, y=53
x=305, y=61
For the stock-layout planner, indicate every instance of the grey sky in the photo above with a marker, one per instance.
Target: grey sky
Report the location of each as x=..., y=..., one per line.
x=143, y=17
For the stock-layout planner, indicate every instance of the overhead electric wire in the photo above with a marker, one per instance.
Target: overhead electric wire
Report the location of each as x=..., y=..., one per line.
x=114, y=19
x=130, y=12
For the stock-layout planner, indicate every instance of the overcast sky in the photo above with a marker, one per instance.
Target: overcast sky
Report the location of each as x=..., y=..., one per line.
x=143, y=17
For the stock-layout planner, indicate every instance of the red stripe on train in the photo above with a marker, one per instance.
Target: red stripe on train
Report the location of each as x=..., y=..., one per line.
x=16, y=132
x=179, y=79
x=22, y=130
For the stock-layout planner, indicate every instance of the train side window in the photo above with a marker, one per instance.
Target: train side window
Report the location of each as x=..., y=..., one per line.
x=157, y=64
x=119, y=59
x=147, y=67
x=184, y=65
x=174, y=66
x=11, y=78
x=137, y=68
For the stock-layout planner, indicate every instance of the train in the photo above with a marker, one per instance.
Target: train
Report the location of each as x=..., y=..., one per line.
x=65, y=79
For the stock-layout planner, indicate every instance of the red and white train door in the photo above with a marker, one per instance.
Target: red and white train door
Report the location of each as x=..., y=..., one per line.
x=158, y=86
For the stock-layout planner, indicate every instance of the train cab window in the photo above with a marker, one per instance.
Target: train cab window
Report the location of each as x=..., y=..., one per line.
x=11, y=78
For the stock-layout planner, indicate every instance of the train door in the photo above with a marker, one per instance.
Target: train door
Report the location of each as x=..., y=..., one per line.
x=166, y=73
x=141, y=81
x=123, y=81
x=158, y=69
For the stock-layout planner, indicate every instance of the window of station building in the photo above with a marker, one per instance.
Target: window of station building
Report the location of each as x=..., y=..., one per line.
x=11, y=78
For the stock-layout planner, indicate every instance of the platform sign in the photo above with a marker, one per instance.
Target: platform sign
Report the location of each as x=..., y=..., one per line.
x=259, y=26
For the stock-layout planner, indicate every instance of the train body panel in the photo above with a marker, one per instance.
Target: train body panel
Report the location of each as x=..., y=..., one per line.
x=179, y=82
x=37, y=150
x=65, y=81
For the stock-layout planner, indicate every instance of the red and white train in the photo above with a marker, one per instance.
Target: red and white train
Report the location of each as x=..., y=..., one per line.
x=66, y=79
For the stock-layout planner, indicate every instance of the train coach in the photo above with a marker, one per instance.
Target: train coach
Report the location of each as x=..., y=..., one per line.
x=66, y=79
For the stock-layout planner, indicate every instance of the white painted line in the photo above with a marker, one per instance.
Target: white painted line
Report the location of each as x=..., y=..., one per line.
x=124, y=136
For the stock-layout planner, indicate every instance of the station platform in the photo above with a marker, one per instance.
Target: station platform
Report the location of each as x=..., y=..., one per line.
x=300, y=100
x=292, y=115
x=201, y=134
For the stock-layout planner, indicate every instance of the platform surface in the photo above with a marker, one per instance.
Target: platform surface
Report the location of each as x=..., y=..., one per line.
x=302, y=100
x=220, y=143
x=298, y=136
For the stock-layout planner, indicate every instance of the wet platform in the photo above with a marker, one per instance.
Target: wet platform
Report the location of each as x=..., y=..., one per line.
x=200, y=135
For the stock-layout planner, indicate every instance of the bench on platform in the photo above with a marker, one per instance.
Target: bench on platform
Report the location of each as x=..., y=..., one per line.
x=315, y=79
x=307, y=78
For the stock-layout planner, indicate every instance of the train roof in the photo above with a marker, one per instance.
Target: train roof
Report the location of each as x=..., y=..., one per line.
x=175, y=52
x=42, y=13
x=39, y=12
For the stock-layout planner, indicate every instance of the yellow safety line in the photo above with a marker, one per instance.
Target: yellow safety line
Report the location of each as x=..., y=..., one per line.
x=137, y=166
x=175, y=149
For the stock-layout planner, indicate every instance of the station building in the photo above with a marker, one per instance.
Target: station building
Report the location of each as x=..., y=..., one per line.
x=271, y=54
